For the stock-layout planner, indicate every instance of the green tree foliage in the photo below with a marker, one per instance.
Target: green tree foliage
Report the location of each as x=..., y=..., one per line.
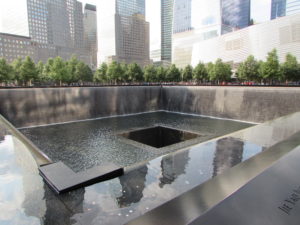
x=101, y=74
x=222, y=71
x=58, y=71
x=71, y=68
x=173, y=74
x=290, y=68
x=187, y=73
x=83, y=72
x=249, y=70
x=271, y=68
x=46, y=76
x=210, y=67
x=40, y=69
x=28, y=71
x=200, y=73
x=115, y=72
x=160, y=74
x=6, y=72
x=125, y=77
x=150, y=73
x=135, y=72
x=16, y=66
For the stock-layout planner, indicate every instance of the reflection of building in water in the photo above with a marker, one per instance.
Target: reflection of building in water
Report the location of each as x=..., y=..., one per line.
x=173, y=166
x=57, y=212
x=3, y=132
x=39, y=201
x=229, y=152
x=2, y=136
x=133, y=184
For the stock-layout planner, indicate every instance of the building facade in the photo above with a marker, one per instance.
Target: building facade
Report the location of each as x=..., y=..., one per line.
x=14, y=46
x=166, y=29
x=292, y=7
x=55, y=28
x=182, y=15
x=278, y=8
x=235, y=14
x=90, y=32
x=124, y=32
x=282, y=34
x=211, y=18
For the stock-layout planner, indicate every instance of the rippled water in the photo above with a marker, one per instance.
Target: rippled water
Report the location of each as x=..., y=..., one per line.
x=81, y=145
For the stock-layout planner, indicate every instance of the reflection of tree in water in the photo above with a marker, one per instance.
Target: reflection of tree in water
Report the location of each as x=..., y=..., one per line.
x=173, y=166
x=229, y=152
x=133, y=184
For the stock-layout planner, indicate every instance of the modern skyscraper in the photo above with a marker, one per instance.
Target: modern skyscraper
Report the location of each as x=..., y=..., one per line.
x=166, y=30
x=124, y=32
x=207, y=20
x=90, y=32
x=183, y=19
x=292, y=7
x=54, y=28
x=225, y=15
x=235, y=14
x=278, y=8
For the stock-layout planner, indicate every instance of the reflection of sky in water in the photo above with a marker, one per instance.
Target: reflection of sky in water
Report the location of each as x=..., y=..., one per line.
x=164, y=178
x=123, y=199
x=11, y=187
x=250, y=150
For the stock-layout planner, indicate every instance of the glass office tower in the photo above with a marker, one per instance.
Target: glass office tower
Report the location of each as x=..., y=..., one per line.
x=235, y=14
x=183, y=18
x=90, y=32
x=130, y=7
x=278, y=8
x=166, y=29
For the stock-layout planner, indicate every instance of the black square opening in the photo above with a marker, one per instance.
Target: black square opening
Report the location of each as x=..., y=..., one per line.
x=159, y=136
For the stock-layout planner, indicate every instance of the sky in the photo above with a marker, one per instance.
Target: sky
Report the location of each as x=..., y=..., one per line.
x=260, y=12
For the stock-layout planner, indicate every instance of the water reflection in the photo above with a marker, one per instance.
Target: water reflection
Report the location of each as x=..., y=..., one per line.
x=229, y=152
x=56, y=212
x=172, y=166
x=133, y=184
x=2, y=133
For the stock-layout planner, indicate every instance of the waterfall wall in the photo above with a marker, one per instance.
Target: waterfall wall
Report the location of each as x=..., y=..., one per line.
x=253, y=104
x=36, y=106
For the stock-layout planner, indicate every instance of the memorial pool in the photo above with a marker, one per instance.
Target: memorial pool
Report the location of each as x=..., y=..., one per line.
x=82, y=145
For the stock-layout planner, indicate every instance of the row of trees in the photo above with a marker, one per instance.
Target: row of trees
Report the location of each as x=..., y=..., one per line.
x=26, y=72
x=270, y=71
x=120, y=73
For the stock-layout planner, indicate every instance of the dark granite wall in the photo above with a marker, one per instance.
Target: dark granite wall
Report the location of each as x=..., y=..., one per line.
x=27, y=107
x=253, y=104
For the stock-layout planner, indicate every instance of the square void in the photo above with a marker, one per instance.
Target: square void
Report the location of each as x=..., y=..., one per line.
x=159, y=136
